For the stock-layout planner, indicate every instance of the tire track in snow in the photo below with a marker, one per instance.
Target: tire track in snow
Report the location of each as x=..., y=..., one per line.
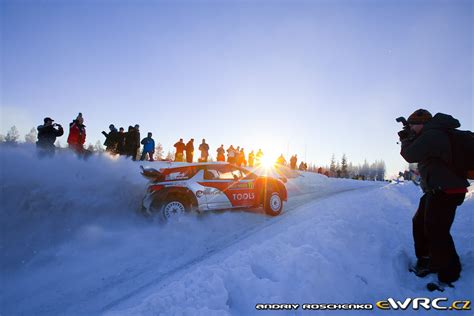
x=295, y=202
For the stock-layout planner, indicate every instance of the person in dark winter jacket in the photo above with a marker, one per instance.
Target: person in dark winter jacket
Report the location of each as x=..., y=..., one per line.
x=47, y=134
x=111, y=139
x=221, y=153
x=77, y=135
x=121, y=141
x=190, y=150
x=135, y=142
x=148, y=147
x=204, y=148
x=428, y=144
x=180, y=147
x=131, y=143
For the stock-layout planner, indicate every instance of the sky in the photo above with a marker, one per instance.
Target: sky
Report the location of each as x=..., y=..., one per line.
x=314, y=78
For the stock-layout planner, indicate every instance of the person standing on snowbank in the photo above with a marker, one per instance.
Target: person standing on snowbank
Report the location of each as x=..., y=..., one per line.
x=190, y=150
x=77, y=135
x=180, y=147
x=121, y=141
x=251, y=159
x=135, y=142
x=47, y=134
x=427, y=143
x=221, y=153
x=204, y=148
x=148, y=147
x=111, y=139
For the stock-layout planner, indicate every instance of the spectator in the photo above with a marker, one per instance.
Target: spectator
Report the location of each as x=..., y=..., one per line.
x=148, y=147
x=135, y=149
x=129, y=142
x=281, y=160
x=121, y=141
x=231, y=154
x=251, y=159
x=204, y=148
x=190, y=150
x=47, y=134
x=259, y=157
x=293, y=161
x=221, y=153
x=180, y=147
x=111, y=139
x=77, y=135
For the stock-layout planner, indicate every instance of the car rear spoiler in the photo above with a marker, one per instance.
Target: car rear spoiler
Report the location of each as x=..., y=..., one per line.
x=151, y=173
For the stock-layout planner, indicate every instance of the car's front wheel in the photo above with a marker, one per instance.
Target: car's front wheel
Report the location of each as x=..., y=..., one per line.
x=173, y=208
x=273, y=204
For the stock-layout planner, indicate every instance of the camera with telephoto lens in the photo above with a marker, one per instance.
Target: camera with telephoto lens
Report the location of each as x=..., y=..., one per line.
x=406, y=132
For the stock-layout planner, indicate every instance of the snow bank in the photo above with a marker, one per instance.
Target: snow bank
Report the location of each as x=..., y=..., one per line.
x=72, y=243
x=354, y=249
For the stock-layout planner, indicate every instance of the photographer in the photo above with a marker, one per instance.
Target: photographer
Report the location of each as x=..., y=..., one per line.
x=47, y=134
x=111, y=139
x=425, y=140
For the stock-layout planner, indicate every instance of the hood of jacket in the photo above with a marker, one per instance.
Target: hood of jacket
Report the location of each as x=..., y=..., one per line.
x=442, y=121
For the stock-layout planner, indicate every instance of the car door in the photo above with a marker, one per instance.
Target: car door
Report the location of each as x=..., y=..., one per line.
x=216, y=182
x=242, y=191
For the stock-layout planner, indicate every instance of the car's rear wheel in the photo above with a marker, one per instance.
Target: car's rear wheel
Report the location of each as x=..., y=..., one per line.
x=273, y=204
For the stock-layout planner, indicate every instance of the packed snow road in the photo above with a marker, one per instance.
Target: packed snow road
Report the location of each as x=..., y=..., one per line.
x=72, y=243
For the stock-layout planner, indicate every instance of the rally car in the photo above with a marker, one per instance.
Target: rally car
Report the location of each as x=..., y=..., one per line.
x=210, y=186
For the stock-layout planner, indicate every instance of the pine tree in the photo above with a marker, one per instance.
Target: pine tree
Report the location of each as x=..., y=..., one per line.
x=169, y=156
x=332, y=168
x=344, y=171
x=12, y=135
x=159, y=152
x=98, y=147
x=32, y=136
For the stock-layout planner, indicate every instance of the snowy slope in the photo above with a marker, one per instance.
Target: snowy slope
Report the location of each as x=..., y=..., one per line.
x=73, y=244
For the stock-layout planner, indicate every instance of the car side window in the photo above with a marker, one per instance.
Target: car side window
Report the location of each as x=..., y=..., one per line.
x=226, y=175
x=211, y=174
x=248, y=175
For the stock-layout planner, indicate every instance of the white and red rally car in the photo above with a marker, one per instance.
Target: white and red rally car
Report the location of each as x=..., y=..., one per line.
x=210, y=186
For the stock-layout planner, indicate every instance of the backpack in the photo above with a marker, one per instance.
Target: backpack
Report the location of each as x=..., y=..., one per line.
x=462, y=148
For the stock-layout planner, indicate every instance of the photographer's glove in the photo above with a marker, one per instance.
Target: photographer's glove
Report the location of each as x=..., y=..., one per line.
x=404, y=134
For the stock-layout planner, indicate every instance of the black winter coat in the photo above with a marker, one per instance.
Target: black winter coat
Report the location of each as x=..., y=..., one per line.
x=431, y=149
x=47, y=136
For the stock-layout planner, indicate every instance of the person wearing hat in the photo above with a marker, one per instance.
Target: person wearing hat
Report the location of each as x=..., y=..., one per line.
x=77, y=135
x=148, y=147
x=47, y=134
x=180, y=148
x=121, y=141
x=427, y=143
x=204, y=148
x=111, y=139
x=221, y=153
x=190, y=150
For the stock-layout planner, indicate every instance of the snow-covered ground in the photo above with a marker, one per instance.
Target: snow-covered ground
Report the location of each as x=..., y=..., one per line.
x=72, y=243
